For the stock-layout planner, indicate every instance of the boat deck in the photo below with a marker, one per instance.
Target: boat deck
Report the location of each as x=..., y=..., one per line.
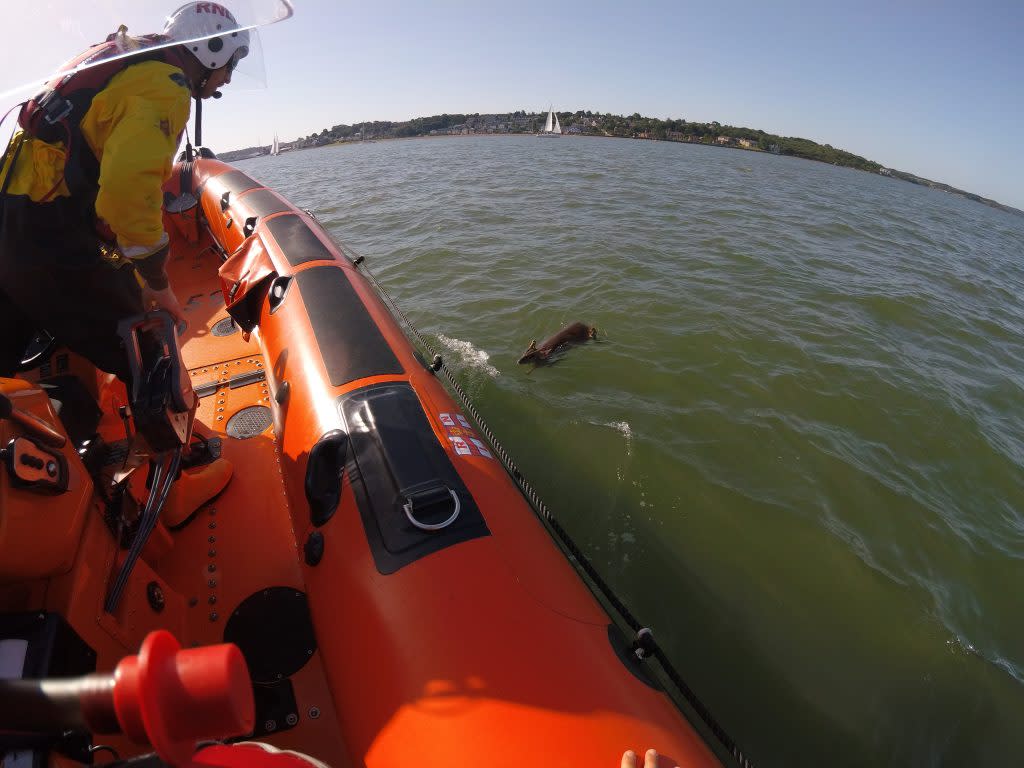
x=243, y=542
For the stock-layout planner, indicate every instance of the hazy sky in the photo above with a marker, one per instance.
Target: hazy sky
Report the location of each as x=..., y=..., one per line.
x=933, y=88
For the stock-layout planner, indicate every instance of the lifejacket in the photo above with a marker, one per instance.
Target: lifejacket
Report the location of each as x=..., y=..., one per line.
x=56, y=113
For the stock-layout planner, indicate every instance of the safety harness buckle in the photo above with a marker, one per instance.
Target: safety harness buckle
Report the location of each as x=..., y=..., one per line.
x=54, y=107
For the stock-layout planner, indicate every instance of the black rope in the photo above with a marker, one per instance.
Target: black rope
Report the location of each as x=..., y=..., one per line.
x=650, y=646
x=162, y=478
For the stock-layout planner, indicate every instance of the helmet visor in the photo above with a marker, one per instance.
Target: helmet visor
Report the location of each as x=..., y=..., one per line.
x=240, y=53
x=246, y=66
x=64, y=28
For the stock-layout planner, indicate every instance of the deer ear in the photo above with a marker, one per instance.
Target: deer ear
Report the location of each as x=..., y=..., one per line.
x=530, y=352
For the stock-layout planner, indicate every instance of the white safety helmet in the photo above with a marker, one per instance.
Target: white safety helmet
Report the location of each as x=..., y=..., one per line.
x=209, y=32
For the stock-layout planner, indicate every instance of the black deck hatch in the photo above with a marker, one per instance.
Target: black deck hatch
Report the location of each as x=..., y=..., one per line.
x=411, y=499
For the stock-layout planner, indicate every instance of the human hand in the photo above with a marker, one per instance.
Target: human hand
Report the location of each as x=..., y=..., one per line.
x=650, y=759
x=166, y=300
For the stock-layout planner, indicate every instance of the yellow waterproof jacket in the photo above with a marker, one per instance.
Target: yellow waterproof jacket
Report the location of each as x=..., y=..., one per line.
x=133, y=126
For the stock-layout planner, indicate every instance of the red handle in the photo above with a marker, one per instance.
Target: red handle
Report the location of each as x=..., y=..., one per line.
x=172, y=698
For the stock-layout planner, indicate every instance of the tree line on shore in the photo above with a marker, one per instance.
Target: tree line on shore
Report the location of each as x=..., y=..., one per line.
x=583, y=122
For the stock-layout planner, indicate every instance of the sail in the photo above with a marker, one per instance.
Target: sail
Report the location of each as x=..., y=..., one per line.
x=274, y=148
x=547, y=123
x=558, y=128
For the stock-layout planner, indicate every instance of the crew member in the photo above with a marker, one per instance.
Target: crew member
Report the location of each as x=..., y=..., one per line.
x=82, y=244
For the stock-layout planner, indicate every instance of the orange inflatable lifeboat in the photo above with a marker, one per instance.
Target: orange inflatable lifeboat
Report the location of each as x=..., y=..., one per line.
x=396, y=598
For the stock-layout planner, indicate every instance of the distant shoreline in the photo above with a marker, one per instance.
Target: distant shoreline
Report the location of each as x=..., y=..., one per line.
x=703, y=134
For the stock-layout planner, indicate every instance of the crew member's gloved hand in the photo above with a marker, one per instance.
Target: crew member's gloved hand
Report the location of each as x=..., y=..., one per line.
x=165, y=299
x=149, y=261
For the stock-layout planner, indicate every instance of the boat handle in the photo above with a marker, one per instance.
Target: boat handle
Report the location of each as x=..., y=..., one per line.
x=433, y=526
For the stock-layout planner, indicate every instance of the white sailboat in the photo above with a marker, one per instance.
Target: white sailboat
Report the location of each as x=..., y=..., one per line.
x=275, y=149
x=551, y=125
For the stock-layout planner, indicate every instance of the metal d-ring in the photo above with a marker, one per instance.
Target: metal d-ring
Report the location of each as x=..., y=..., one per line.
x=433, y=526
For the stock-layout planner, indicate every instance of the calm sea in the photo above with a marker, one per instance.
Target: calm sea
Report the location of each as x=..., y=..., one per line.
x=796, y=449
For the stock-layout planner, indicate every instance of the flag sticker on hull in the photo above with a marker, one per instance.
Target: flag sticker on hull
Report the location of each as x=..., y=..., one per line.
x=481, y=447
x=462, y=437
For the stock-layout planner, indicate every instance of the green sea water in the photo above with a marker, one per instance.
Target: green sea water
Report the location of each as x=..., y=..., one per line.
x=797, y=448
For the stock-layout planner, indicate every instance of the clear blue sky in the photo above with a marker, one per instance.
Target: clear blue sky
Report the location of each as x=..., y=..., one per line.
x=934, y=88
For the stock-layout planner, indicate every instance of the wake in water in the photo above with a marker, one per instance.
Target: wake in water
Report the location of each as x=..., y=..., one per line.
x=627, y=432
x=470, y=355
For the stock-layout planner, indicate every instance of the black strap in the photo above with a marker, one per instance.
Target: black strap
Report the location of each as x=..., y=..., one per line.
x=17, y=150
